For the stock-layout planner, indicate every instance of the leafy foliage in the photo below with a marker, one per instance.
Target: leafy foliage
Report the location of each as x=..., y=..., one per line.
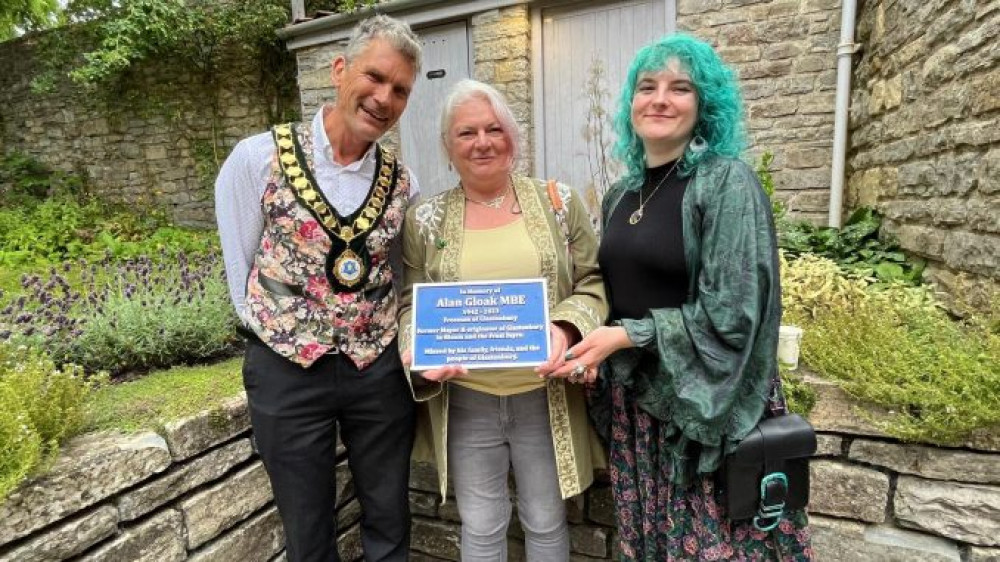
x=66, y=229
x=763, y=169
x=893, y=345
x=46, y=217
x=799, y=396
x=24, y=180
x=26, y=15
x=857, y=246
x=134, y=316
x=40, y=406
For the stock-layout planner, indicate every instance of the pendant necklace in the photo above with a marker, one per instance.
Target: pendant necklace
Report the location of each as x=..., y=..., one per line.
x=636, y=216
x=494, y=203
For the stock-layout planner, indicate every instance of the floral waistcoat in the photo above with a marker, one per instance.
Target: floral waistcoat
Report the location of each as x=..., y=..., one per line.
x=322, y=282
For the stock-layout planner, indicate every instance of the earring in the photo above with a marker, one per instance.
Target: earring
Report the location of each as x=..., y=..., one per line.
x=698, y=144
x=450, y=169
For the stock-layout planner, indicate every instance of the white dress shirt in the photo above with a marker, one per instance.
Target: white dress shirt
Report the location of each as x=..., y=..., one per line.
x=240, y=187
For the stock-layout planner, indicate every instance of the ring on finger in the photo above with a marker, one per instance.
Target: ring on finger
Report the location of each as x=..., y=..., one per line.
x=579, y=369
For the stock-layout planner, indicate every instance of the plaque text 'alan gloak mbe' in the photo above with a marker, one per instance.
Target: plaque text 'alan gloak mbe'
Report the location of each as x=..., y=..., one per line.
x=480, y=324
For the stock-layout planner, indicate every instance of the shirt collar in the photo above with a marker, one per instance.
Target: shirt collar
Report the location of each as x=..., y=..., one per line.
x=323, y=151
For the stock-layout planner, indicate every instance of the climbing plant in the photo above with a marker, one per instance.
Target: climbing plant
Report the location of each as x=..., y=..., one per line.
x=209, y=45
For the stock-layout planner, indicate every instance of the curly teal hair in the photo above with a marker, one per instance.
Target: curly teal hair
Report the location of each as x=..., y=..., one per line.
x=720, y=108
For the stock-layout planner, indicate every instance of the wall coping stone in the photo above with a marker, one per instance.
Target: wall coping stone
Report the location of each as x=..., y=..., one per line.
x=92, y=467
x=192, y=435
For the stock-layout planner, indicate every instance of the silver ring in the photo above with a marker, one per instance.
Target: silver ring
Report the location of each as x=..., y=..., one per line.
x=579, y=370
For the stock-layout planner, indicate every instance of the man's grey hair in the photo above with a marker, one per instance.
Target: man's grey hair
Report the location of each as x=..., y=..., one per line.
x=395, y=32
x=466, y=90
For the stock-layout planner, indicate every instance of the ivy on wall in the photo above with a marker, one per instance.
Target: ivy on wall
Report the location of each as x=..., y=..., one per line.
x=211, y=46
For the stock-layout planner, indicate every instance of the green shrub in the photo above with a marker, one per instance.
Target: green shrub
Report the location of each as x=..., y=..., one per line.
x=136, y=315
x=59, y=229
x=799, y=395
x=25, y=180
x=893, y=345
x=857, y=245
x=40, y=406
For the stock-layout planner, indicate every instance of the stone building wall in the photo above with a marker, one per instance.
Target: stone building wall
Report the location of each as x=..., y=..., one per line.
x=154, y=144
x=196, y=491
x=501, y=43
x=785, y=54
x=501, y=57
x=925, y=134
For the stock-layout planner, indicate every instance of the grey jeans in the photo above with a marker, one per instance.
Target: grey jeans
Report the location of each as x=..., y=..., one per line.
x=487, y=436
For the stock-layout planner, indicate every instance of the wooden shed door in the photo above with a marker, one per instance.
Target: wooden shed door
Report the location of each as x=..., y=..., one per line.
x=575, y=42
x=446, y=61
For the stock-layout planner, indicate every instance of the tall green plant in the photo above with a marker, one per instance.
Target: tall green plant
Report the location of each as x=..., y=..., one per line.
x=40, y=407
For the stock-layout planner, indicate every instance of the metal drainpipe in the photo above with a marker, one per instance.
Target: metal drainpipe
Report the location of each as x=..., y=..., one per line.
x=845, y=50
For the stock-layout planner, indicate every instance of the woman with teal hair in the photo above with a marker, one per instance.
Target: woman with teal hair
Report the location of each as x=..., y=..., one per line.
x=687, y=365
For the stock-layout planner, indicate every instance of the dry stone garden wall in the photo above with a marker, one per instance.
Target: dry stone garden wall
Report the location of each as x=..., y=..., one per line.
x=785, y=54
x=196, y=491
x=159, y=143
x=925, y=134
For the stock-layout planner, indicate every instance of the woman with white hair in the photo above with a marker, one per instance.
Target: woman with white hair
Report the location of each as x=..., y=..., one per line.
x=480, y=424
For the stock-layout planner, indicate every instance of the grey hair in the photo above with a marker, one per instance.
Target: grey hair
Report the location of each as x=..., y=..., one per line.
x=395, y=32
x=466, y=90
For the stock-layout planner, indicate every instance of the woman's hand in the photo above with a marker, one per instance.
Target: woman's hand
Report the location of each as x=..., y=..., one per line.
x=590, y=352
x=560, y=338
x=440, y=374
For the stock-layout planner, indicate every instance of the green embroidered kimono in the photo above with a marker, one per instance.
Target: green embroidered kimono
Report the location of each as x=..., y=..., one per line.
x=567, y=249
x=705, y=369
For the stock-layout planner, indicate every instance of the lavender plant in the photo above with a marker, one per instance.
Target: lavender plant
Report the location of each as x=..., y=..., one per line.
x=135, y=315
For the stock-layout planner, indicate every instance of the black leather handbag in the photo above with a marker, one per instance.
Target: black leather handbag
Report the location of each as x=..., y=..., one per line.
x=768, y=473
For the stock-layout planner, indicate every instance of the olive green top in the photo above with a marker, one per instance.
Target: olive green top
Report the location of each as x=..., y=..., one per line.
x=503, y=252
x=704, y=369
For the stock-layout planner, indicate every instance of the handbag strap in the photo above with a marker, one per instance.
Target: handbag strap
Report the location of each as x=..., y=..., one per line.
x=558, y=208
x=773, y=490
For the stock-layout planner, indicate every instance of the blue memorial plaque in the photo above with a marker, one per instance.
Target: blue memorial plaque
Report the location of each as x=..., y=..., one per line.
x=480, y=324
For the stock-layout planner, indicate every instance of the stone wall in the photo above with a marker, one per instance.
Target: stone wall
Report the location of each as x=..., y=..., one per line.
x=501, y=57
x=154, y=143
x=196, y=491
x=925, y=141
x=501, y=44
x=785, y=54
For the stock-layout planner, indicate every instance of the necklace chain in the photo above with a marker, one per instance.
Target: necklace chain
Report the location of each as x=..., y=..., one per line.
x=636, y=216
x=494, y=203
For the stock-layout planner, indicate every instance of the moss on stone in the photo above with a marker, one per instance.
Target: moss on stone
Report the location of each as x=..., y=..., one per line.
x=162, y=396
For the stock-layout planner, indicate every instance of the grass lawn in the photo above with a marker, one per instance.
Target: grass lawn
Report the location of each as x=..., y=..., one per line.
x=161, y=396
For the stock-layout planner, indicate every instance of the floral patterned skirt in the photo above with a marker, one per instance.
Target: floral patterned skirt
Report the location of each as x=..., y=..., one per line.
x=659, y=521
